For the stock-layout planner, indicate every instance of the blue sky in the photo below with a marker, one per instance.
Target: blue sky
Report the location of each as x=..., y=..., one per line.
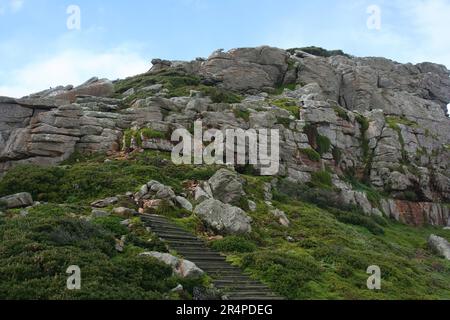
x=119, y=38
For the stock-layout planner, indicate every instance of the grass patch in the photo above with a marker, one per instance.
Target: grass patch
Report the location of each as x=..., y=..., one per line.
x=234, y=244
x=289, y=105
x=312, y=154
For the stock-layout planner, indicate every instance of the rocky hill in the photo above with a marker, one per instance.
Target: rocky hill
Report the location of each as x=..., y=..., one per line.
x=363, y=135
x=371, y=119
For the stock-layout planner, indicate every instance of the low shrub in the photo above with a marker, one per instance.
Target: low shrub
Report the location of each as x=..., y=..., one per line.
x=321, y=179
x=312, y=154
x=234, y=244
x=288, y=274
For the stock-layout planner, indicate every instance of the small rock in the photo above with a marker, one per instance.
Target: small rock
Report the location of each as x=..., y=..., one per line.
x=179, y=288
x=268, y=192
x=202, y=193
x=103, y=203
x=126, y=222
x=184, y=203
x=120, y=244
x=19, y=200
x=290, y=239
x=439, y=245
x=99, y=213
x=183, y=268
x=129, y=92
x=124, y=212
x=252, y=205
x=282, y=218
x=153, y=88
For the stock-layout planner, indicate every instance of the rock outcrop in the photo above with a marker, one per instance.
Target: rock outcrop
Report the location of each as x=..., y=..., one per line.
x=376, y=120
x=223, y=218
x=180, y=267
x=20, y=200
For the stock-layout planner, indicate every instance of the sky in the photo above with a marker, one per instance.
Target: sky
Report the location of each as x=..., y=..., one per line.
x=46, y=43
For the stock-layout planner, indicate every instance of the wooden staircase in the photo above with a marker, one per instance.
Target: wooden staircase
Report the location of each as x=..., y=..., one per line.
x=229, y=279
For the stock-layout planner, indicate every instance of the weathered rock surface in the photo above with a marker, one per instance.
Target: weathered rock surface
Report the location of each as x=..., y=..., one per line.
x=20, y=200
x=223, y=218
x=227, y=187
x=385, y=121
x=247, y=68
x=181, y=267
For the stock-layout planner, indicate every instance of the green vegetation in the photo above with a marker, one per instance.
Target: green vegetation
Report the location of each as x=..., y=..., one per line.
x=321, y=144
x=324, y=254
x=321, y=52
x=84, y=182
x=139, y=135
x=393, y=123
x=234, y=244
x=221, y=95
x=289, y=105
x=36, y=251
x=367, y=153
x=177, y=83
x=286, y=122
x=341, y=113
x=242, y=114
x=373, y=195
x=280, y=89
x=321, y=179
x=312, y=154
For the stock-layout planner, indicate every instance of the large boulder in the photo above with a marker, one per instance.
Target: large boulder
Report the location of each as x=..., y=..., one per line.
x=440, y=246
x=19, y=200
x=180, y=267
x=247, y=68
x=93, y=87
x=223, y=218
x=227, y=187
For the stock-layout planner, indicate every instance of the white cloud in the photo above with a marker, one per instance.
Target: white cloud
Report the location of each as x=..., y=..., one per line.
x=72, y=67
x=430, y=22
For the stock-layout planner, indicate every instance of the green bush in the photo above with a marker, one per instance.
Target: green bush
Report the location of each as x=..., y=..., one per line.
x=312, y=154
x=341, y=113
x=234, y=244
x=112, y=224
x=218, y=95
x=36, y=251
x=357, y=219
x=149, y=133
x=323, y=144
x=289, y=274
x=3, y=206
x=242, y=114
x=289, y=105
x=321, y=179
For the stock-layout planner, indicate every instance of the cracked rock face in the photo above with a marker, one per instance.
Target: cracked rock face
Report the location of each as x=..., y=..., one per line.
x=385, y=122
x=247, y=68
x=223, y=218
